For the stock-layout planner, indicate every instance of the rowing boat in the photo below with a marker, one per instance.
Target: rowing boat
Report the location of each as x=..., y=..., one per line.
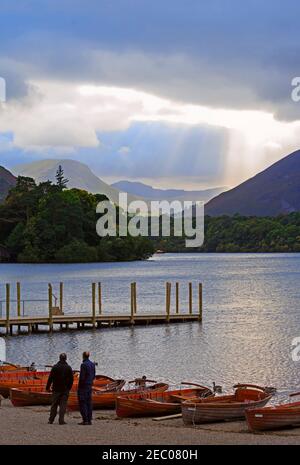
x=37, y=395
x=157, y=404
x=39, y=380
x=13, y=379
x=227, y=407
x=7, y=367
x=107, y=400
x=273, y=417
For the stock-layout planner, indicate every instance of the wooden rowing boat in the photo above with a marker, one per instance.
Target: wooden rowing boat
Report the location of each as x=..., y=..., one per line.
x=39, y=380
x=15, y=374
x=6, y=367
x=107, y=400
x=13, y=379
x=150, y=404
x=37, y=395
x=273, y=417
x=228, y=407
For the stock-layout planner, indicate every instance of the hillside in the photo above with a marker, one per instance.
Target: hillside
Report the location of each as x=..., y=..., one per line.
x=79, y=175
x=7, y=180
x=274, y=191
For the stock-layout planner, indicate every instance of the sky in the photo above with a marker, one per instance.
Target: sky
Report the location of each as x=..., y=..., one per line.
x=176, y=93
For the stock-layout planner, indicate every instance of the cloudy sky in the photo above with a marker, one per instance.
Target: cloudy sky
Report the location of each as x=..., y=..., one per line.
x=183, y=93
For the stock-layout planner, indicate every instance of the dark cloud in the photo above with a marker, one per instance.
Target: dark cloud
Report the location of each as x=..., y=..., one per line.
x=220, y=53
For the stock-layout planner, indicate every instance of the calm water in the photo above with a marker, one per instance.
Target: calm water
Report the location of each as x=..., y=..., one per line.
x=251, y=314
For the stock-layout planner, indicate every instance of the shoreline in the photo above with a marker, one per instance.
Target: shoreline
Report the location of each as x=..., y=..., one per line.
x=28, y=426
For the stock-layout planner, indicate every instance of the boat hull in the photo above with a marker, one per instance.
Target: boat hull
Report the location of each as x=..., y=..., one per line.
x=39, y=380
x=223, y=408
x=273, y=418
x=22, y=379
x=154, y=404
x=37, y=395
x=25, y=398
x=107, y=400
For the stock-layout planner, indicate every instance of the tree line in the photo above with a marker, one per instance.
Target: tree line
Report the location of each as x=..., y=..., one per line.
x=243, y=234
x=47, y=222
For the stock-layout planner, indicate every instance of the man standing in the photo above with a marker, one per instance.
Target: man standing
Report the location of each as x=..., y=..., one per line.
x=61, y=380
x=86, y=378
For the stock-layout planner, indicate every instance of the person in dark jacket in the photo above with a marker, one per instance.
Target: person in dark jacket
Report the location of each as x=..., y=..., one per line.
x=85, y=384
x=61, y=380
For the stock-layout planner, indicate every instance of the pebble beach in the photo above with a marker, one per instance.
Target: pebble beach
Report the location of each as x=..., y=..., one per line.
x=28, y=426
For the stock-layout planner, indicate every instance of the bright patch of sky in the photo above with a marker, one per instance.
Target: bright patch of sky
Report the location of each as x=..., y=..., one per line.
x=189, y=94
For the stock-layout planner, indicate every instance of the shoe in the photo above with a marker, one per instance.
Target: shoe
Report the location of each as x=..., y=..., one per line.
x=90, y=423
x=50, y=422
x=83, y=423
x=62, y=423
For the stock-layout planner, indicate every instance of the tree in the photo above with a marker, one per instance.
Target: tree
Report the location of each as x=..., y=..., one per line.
x=61, y=181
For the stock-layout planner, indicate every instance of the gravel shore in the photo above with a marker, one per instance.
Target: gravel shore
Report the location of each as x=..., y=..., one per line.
x=28, y=425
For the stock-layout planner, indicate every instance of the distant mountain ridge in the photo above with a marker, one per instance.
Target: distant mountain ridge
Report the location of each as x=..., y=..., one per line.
x=143, y=190
x=7, y=181
x=274, y=191
x=79, y=175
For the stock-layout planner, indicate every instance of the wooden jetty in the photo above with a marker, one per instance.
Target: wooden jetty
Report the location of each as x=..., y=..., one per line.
x=57, y=319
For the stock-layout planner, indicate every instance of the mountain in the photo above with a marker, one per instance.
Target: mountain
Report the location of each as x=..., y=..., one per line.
x=79, y=175
x=7, y=180
x=274, y=191
x=151, y=193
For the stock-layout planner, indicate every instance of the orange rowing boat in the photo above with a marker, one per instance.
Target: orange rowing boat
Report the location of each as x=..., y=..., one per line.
x=274, y=417
x=37, y=395
x=228, y=407
x=107, y=400
x=25, y=380
x=7, y=367
x=149, y=404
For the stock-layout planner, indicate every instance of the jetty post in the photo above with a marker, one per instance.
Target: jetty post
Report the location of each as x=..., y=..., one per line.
x=132, y=303
x=19, y=299
x=94, y=304
x=100, y=298
x=50, y=306
x=177, y=298
x=200, y=296
x=56, y=316
x=168, y=300
x=134, y=299
x=7, y=298
x=191, y=298
x=61, y=297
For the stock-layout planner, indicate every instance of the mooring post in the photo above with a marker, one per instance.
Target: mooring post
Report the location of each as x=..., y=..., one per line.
x=50, y=295
x=18, y=299
x=200, y=301
x=7, y=307
x=134, y=298
x=100, y=298
x=177, y=298
x=132, y=303
x=168, y=300
x=61, y=296
x=191, y=298
x=94, y=304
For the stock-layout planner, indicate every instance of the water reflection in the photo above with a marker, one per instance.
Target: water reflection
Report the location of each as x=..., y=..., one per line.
x=251, y=314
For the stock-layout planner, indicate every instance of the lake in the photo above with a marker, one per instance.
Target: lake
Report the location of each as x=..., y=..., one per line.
x=251, y=314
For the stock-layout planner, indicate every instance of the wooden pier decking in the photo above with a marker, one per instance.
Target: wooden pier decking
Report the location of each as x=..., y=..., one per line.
x=57, y=319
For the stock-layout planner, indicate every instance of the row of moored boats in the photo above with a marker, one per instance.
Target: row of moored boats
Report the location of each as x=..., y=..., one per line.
x=144, y=398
